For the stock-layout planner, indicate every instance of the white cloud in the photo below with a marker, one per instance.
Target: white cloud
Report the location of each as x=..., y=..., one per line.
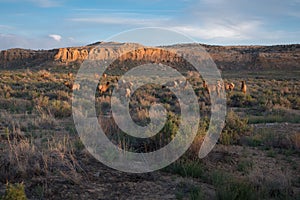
x=221, y=30
x=125, y=20
x=45, y=42
x=55, y=37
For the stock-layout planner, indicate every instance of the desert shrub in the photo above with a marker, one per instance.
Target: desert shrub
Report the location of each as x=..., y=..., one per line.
x=21, y=94
x=295, y=101
x=218, y=177
x=276, y=115
x=239, y=99
x=167, y=133
x=283, y=101
x=197, y=142
x=271, y=153
x=78, y=145
x=295, y=138
x=14, y=192
x=185, y=189
x=235, y=127
x=263, y=102
x=16, y=105
x=42, y=101
x=60, y=109
x=236, y=190
x=21, y=160
x=62, y=95
x=244, y=166
x=277, y=189
x=228, y=187
x=187, y=168
x=171, y=126
x=268, y=139
x=196, y=193
x=253, y=141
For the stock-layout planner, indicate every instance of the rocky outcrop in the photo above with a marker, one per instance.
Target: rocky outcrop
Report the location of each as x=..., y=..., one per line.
x=67, y=55
x=226, y=57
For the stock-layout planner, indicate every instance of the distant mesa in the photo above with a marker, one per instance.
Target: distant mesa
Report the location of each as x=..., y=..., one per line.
x=226, y=57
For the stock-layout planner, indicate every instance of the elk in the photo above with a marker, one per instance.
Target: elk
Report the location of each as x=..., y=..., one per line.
x=229, y=86
x=219, y=88
x=127, y=93
x=70, y=74
x=103, y=88
x=45, y=74
x=75, y=86
x=204, y=84
x=244, y=87
x=209, y=88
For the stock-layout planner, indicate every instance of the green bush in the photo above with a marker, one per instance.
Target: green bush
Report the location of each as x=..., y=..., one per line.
x=196, y=194
x=187, y=168
x=245, y=166
x=235, y=127
x=60, y=109
x=241, y=100
x=14, y=192
x=229, y=188
x=184, y=189
x=236, y=190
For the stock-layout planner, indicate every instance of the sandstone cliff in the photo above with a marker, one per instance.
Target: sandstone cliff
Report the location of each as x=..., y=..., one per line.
x=226, y=57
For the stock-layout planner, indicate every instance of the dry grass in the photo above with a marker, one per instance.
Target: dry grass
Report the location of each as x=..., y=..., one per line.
x=295, y=139
x=35, y=109
x=23, y=160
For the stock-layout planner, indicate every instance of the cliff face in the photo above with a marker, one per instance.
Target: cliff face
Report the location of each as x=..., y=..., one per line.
x=226, y=57
x=67, y=55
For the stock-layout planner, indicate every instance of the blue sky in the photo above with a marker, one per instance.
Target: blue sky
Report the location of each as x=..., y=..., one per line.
x=46, y=24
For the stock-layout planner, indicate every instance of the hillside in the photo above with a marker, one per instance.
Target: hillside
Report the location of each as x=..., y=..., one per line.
x=257, y=155
x=226, y=57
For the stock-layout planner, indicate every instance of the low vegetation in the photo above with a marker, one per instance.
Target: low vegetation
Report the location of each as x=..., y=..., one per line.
x=41, y=151
x=14, y=192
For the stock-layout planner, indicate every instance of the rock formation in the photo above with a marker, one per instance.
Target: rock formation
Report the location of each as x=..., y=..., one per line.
x=226, y=57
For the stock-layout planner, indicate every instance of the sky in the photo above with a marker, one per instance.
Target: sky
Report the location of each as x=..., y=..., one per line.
x=46, y=24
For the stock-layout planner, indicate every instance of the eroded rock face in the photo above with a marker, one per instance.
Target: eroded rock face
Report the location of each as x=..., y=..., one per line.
x=67, y=55
x=226, y=57
x=115, y=50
